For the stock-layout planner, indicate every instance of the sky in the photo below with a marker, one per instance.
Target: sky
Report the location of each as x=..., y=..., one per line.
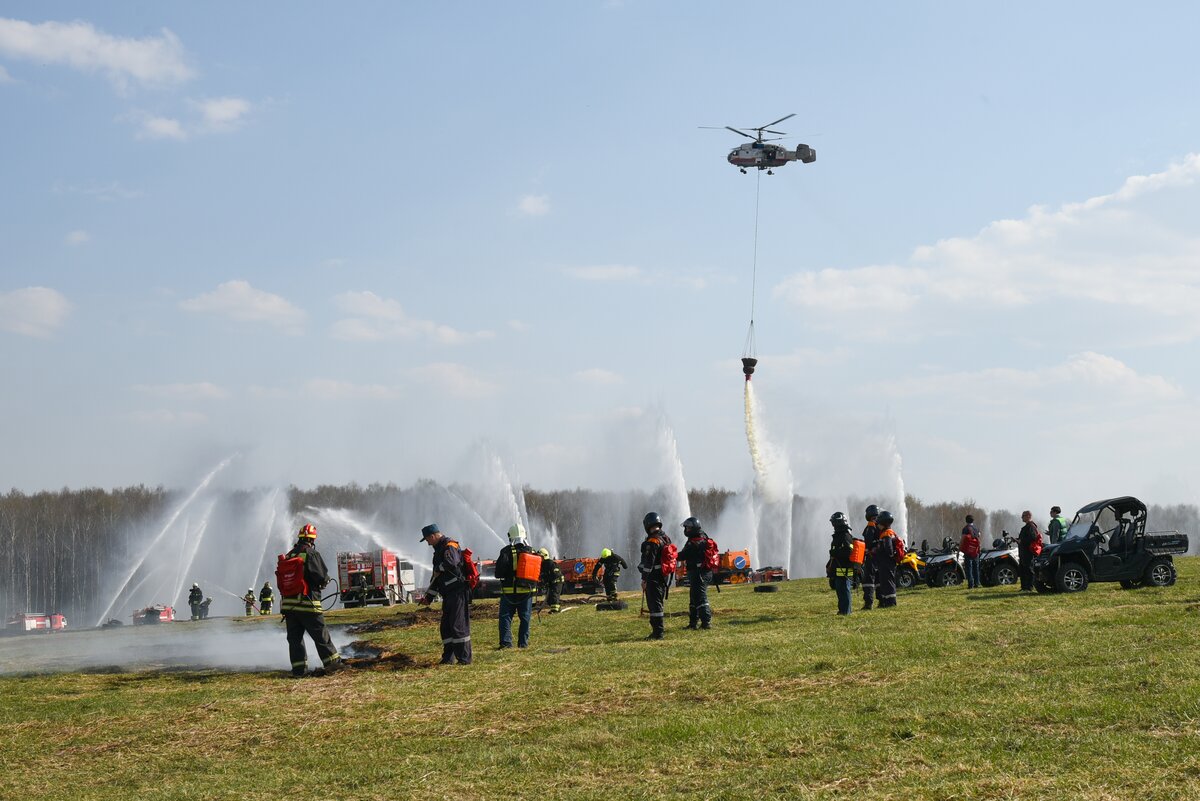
x=352, y=242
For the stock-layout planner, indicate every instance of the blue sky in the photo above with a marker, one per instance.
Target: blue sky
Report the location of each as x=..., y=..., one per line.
x=350, y=243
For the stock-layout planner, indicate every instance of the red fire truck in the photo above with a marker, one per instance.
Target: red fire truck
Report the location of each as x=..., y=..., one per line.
x=374, y=577
x=36, y=621
x=158, y=613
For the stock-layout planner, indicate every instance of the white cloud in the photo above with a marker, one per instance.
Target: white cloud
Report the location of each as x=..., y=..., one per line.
x=376, y=319
x=222, y=113
x=35, y=311
x=534, y=205
x=520, y=326
x=78, y=237
x=606, y=272
x=1135, y=248
x=237, y=300
x=203, y=390
x=5, y=77
x=151, y=61
x=454, y=380
x=105, y=192
x=329, y=389
x=161, y=128
x=598, y=376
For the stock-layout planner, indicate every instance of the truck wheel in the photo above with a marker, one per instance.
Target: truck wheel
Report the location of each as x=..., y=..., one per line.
x=1005, y=574
x=1071, y=577
x=906, y=578
x=1160, y=573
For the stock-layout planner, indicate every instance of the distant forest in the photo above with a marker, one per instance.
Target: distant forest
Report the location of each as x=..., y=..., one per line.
x=56, y=548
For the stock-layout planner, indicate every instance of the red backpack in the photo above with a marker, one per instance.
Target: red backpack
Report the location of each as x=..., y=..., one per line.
x=470, y=569
x=712, y=556
x=289, y=576
x=668, y=556
x=900, y=552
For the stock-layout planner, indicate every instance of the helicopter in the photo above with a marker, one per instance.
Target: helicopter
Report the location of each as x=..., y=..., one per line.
x=758, y=153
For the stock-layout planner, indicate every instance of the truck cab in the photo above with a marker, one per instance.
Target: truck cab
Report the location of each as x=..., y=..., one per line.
x=1108, y=541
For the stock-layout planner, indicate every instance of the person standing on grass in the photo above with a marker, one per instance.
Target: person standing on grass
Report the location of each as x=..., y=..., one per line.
x=694, y=555
x=552, y=582
x=611, y=563
x=654, y=583
x=1029, y=545
x=885, y=560
x=449, y=581
x=870, y=536
x=516, y=593
x=969, y=547
x=303, y=613
x=840, y=549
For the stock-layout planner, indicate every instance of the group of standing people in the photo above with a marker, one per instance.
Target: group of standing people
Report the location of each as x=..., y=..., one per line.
x=870, y=558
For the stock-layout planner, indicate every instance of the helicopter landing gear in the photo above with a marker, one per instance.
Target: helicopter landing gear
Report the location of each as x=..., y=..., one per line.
x=743, y=170
x=769, y=172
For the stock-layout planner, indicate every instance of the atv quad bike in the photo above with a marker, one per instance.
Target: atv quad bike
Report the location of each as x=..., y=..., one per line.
x=999, y=565
x=945, y=569
x=1108, y=541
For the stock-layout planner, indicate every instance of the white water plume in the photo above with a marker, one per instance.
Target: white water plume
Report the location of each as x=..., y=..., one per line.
x=191, y=545
x=773, y=493
x=161, y=534
x=899, y=499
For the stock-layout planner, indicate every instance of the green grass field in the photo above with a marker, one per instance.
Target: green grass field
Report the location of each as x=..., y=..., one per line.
x=952, y=695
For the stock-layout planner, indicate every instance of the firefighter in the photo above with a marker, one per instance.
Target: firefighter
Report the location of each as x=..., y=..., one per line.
x=840, y=548
x=611, y=563
x=516, y=591
x=302, y=610
x=266, y=598
x=654, y=583
x=884, y=558
x=204, y=608
x=870, y=536
x=694, y=555
x=449, y=581
x=249, y=599
x=195, y=597
x=552, y=581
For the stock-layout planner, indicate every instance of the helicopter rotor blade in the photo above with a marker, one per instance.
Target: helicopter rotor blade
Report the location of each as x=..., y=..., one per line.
x=781, y=119
x=766, y=130
x=736, y=131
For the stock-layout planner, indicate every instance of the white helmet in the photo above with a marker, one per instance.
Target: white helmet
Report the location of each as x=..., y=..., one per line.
x=516, y=533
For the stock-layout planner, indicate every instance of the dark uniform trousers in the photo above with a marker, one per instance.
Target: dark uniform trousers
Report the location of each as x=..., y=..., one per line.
x=610, y=584
x=698, y=607
x=869, y=580
x=656, y=600
x=885, y=580
x=456, y=627
x=300, y=623
x=553, y=593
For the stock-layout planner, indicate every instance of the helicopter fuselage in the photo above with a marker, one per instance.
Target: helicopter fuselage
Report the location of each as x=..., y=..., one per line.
x=764, y=156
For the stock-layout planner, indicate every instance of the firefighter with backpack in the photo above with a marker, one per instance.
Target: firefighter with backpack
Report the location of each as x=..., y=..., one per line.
x=889, y=550
x=301, y=575
x=845, y=557
x=657, y=566
x=611, y=563
x=701, y=556
x=519, y=569
x=266, y=599
x=870, y=536
x=552, y=581
x=452, y=571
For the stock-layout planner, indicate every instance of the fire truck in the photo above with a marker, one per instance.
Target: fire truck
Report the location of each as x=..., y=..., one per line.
x=36, y=621
x=157, y=613
x=577, y=576
x=733, y=568
x=374, y=577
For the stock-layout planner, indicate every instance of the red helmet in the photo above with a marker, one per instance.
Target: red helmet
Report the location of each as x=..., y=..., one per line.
x=309, y=531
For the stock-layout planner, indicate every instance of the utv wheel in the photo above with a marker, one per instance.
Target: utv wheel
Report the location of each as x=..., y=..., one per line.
x=1071, y=577
x=1160, y=573
x=949, y=577
x=906, y=578
x=1005, y=575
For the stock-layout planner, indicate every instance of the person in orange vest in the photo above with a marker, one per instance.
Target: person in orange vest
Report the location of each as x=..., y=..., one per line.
x=884, y=558
x=870, y=536
x=516, y=591
x=654, y=582
x=693, y=554
x=840, y=549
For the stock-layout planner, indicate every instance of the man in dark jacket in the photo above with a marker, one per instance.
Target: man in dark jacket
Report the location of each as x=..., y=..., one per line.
x=968, y=546
x=303, y=612
x=552, y=581
x=841, y=547
x=611, y=563
x=885, y=560
x=516, y=592
x=654, y=583
x=698, y=574
x=449, y=581
x=1029, y=545
x=266, y=598
x=870, y=535
x=195, y=598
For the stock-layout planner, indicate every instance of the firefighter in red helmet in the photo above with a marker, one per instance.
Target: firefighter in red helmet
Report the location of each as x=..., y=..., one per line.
x=302, y=610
